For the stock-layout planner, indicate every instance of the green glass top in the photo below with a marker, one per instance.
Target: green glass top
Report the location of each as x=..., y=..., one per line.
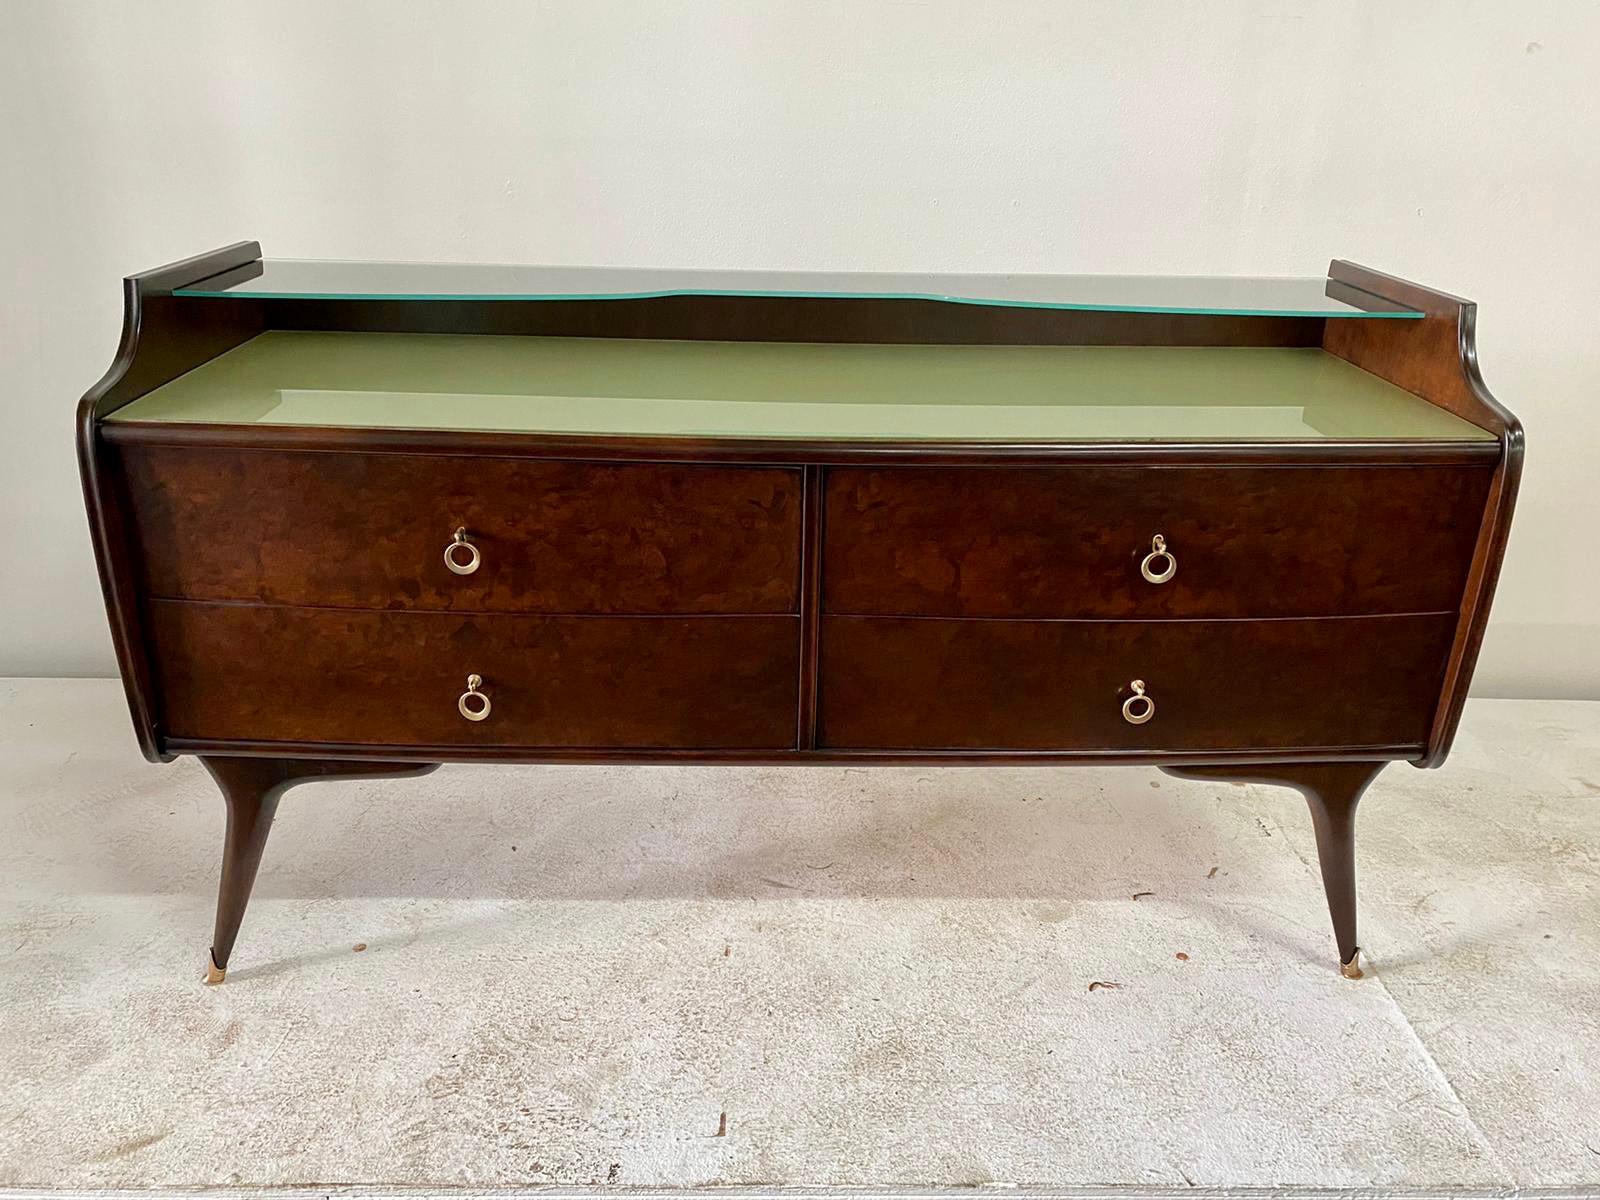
x=297, y=279
x=794, y=390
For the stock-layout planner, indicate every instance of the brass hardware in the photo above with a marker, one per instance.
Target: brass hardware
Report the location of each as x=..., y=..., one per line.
x=460, y=542
x=1158, y=549
x=214, y=973
x=1352, y=969
x=1138, y=708
x=472, y=698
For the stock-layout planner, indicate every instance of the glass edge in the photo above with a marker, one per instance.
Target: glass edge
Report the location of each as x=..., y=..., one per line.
x=557, y=297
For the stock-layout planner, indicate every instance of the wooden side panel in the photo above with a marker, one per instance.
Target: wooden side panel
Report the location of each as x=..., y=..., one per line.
x=1423, y=357
x=1068, y=542
x=319, y=675
x=921, y=683
x=1437, y=358
x=162, y=338
x=370, y=531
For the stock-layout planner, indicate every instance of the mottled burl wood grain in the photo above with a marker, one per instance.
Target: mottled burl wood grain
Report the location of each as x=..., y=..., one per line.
x=1067, y=542
x=391, y=678
x=370, y=530
x=1039, y=685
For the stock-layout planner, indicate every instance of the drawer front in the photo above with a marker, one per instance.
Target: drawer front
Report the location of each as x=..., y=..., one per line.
x=1060, y=685
x=322, y=675
x=370, y=531
x=1070, y=542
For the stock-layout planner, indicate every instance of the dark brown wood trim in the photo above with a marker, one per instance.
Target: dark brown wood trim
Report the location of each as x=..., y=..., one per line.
x=1482, y=579
x=334, y=439
x=1437, y=358
x=151, y=352
x=954, y=758
x=810, y=604
x=191, y=270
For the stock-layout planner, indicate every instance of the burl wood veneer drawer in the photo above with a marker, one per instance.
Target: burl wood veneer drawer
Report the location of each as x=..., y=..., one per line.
x=935, y=683
x=1070, y=541
x=387, y=678
x=371, y=531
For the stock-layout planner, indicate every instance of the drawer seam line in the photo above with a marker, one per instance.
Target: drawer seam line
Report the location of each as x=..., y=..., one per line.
x=1377, y=616
x=466, y=612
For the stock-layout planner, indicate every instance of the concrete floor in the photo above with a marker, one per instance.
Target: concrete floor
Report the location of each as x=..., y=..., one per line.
x=580, y=975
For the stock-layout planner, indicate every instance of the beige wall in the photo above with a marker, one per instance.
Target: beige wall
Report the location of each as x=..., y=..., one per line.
x=1455, y=143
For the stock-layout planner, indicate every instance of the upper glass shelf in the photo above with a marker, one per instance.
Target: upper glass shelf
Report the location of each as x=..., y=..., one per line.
x=303, y=279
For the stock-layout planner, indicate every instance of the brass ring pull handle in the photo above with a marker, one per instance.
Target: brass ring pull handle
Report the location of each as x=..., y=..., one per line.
x=453, y=559
x=474, y=705
x=1159, y=552
x=1138, y=708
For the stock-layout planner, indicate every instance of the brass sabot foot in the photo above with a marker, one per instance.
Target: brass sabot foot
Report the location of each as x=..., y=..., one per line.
x=1352, y=969
x=214, y=973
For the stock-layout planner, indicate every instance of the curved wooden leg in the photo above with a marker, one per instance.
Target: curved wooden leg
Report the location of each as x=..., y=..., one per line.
x=252, y=788
x=1332, y=790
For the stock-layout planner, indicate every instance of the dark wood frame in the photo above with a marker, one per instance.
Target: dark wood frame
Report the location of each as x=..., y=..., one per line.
x=1437, y=358
x=165, y=335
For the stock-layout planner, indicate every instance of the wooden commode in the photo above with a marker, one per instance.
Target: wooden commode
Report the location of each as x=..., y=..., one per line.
x=363, y=519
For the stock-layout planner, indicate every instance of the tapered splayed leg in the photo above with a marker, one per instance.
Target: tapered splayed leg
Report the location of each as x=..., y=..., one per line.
x=252, y=788
x=1332, y=790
